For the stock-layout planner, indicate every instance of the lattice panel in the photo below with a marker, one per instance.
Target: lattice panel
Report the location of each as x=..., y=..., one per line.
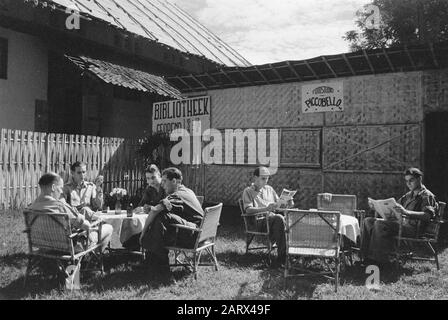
x=301, y=147
x=276, y=106
x=226, y=184
x=380, y=99
x=376, y=186
x=348, y=143
x=435, y=90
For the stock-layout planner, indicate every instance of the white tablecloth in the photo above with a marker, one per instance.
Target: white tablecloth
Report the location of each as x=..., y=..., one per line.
x=124, y=227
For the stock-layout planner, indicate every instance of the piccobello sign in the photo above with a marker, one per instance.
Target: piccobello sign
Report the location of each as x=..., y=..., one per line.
x=168, y=116
x=326, y=97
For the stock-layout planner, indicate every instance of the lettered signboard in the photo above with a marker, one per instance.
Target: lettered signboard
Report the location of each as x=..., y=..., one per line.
x=324, y=97
x=180, y=114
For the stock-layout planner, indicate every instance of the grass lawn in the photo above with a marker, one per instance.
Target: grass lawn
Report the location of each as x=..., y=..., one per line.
x=240, y=276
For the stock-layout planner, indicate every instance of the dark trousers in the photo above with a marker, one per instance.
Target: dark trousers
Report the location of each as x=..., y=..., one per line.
x=277, y=233
x=378, y=238
x=162, y=234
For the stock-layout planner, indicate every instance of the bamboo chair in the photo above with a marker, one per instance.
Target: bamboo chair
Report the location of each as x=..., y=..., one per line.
x=200, y=199
x=256, y=225
x=205, y=237
x=346, y=205
x=429, y=237
x=50, y=237
x=313, y=234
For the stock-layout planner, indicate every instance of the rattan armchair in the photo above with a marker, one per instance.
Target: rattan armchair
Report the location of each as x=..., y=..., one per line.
x=313, y=234
x=429, y=237
x=50, y=236
x=204, y=240
x=256, y=225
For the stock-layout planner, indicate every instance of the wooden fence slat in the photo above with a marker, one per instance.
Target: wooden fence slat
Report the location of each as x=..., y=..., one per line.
x=25, y=156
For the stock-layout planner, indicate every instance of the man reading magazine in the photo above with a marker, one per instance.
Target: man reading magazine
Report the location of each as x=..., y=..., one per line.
x=261, y=197
x=419, y=204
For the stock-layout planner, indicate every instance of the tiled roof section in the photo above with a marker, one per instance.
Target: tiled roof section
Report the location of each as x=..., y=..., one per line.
x=157, y=20
x=125, y=77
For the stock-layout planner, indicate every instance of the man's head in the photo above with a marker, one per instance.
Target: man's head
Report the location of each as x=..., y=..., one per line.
x=414, y=178
x=261, y=175
x=51, y=184
x=79, y=172
x=171, y=179
x=153, y=176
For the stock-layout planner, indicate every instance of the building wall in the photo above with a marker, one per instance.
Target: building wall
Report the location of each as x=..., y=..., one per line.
x=27, y=80
x=361, y=150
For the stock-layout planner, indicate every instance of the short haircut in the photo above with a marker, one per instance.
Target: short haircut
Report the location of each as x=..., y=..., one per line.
x=172, y=173
x=261, y=171
x=48, y=179
x=415, y=172
x=152, y=169
x=77, y=164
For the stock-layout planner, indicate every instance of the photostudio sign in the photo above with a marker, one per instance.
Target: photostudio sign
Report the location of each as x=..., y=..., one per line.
x=168, y=116
x=328, y=97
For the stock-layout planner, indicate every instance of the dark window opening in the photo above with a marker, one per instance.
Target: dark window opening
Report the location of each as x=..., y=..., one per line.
x=3, y=58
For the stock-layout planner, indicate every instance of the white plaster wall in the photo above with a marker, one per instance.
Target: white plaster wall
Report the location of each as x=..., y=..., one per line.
x=27, y=80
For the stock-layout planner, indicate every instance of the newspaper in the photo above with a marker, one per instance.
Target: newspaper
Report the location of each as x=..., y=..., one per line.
x=285, y=197
x=385, y=208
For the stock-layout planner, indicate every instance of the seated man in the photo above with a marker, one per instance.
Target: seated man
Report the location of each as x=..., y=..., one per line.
x=85, y=196
x=51, y=186
x=180, y=207
x=260, y=197
x=154, y=191
x=419, y=203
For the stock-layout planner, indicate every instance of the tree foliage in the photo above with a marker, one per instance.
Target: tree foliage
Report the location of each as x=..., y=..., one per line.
x=402, y=22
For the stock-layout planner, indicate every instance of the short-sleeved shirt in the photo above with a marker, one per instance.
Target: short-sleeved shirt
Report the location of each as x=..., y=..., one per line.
x=52, y=205
x=258, y=198
x=151, y=196
x=84, y=194
x=423, y=201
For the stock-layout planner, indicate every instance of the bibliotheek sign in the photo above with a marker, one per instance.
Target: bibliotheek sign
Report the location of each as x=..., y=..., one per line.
x=328, y=97
x=168, y=116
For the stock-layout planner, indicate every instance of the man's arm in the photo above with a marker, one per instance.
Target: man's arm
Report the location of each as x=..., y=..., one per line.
x=249, y=207
x=97, y=198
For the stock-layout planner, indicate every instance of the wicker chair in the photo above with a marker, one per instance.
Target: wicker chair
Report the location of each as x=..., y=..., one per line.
x=204, y=240
x=429, y=237
x=346, y=205
x=313, y=234
x=50, y=237
x=200, y=199
x=256, y=225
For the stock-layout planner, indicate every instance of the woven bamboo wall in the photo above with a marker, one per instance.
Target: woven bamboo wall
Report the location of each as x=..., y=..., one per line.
x=363, y=148
x=379, y=99
x=25, y=156
x=435, y=91
x=226, y=184
x=383, y=148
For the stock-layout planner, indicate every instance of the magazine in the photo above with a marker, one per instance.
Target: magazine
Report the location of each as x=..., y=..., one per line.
x=385, y=208
x=285, y=197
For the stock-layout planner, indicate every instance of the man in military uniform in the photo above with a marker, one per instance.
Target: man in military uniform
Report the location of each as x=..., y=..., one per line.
x=419, y=204
x=81, y=194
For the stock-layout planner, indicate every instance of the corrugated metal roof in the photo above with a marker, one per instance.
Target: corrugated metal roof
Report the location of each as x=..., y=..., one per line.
x=157, y=20
x=125, y=77
x=397, y=59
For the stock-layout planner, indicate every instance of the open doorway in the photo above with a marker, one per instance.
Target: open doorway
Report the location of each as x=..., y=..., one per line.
x=436, y=154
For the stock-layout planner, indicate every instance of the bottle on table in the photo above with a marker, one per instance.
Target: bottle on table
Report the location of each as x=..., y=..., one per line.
x=130, y=210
